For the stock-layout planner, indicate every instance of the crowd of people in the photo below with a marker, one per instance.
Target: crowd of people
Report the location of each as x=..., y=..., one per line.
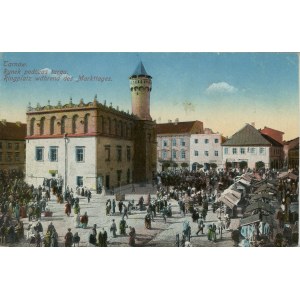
x=195, y=192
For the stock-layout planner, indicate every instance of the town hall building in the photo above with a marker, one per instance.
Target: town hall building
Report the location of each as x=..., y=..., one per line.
x=93, y=144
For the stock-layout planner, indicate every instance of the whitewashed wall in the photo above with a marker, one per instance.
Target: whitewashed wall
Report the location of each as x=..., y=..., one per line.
x=36, y=171
x=201, y=147
x=249, y=157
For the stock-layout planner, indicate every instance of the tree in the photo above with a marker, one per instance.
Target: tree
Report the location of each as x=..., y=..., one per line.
x=243, y=164
x=200, y=166
x=213, y=165
x=184, y=165
x=259, y=165
x=166, y=165
x=174, y=165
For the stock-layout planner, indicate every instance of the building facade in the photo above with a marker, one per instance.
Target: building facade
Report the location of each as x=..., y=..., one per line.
x=291, y=153
x=173, y=143
x=249, y=145
x=12, y=146
x=205, y=149
x=92, y=144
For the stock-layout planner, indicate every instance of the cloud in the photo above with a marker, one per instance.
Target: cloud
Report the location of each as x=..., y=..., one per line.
x=221, y=88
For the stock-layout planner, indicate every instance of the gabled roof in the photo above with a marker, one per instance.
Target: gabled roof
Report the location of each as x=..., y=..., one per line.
x=272, y=129
x=247, y=136
x=291, y=141
x=140, y=71
x=272, y=141
x=180, y=128
x=12, y=131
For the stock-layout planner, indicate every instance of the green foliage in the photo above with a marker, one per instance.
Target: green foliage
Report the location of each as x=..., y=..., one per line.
x=243, y=164
x=259, y=165
x=213, y=165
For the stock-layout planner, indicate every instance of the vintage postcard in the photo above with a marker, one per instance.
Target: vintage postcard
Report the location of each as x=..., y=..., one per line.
x=149, y=149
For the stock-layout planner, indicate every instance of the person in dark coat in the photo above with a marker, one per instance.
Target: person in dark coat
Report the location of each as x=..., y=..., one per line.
x=123, y=226
x=69, y=238
x=132, y=236
x=120, y=204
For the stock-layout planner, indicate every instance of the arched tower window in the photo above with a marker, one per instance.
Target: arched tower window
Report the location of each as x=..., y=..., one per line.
x=116, y=127
x=121, y=128
x=42, y=125
x=86, y=123
x=32, y=122
x=63, y=125
x=74, y=124
x=52, y=123
x=128, y=176
x=109, y=126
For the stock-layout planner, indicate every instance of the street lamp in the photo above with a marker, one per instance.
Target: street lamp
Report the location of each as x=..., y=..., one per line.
x=66, y=139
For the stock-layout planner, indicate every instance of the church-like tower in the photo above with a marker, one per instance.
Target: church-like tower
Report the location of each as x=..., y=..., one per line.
x=145, y=128
x=140, y=87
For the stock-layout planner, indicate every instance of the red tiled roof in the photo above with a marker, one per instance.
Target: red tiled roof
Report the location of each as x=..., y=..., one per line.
x=180, y=127
x=12, y=131
x=275, y=130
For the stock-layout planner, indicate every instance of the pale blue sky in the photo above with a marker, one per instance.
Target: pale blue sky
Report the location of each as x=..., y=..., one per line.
x=224, y=90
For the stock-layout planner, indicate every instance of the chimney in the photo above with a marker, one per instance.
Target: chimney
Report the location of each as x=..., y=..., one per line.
x=169, y=121
x=176, y=121
x=253, y=124
x=3, y=121
x=18, y=123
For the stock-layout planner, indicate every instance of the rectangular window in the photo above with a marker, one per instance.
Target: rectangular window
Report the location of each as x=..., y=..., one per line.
x=196, y=141
x=119, y=173
x=182, y=142
x=79, y=180
x=128, y=153
x=196, y=153
x=79, y=153
x=216, y=141
x=225, y=150
x=206, y=141
x=165, y=143
x=164, y=154
x=206, y=153
x=173, y=154
x=174, y=142
x=9, y=156
x=39, y=153
x=262, y=151
x=242, y=150
x=17, y=146
x=0, y=145
x=0, y=156
x=182, y=154
x=107, y=152
x=9, y=146
x=119, y=153
x=17, y=156
x=253, y=150
x=234, y=151
x=53, y=151
x=216, y=153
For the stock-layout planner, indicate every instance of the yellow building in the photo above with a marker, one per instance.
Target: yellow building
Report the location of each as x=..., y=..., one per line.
x=92, y=144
